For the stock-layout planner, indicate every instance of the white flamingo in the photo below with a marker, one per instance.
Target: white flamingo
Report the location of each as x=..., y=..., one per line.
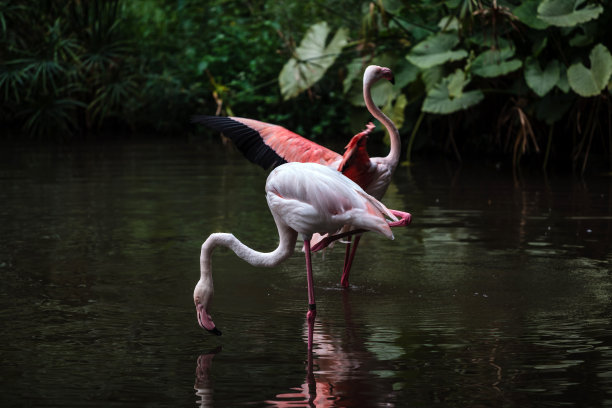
x=304, y=198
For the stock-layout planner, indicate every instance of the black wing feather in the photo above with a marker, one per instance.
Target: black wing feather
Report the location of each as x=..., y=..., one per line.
x=246, y=139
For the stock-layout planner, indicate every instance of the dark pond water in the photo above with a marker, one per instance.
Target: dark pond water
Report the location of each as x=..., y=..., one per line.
x=498, y=294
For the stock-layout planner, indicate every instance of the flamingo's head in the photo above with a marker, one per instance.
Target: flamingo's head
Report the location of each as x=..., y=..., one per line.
x=374, y=72
x=202, y=295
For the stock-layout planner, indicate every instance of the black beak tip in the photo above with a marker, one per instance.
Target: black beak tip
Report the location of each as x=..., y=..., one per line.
x=215, y=331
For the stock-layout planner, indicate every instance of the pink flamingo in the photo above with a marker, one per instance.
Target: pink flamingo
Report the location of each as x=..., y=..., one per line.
x=304, y=198
x=271, y=145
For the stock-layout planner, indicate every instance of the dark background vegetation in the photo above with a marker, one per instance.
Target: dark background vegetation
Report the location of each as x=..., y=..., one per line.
x=516, y=81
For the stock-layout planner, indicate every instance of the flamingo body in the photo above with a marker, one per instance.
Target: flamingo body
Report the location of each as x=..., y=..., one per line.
x=304, y=198
x=311, y=198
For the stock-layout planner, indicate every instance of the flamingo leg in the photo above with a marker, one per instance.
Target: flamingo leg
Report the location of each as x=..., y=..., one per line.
x=312, y=307
x=347, y=252
x=404, y=218
x=348, y=261
x=310, y=380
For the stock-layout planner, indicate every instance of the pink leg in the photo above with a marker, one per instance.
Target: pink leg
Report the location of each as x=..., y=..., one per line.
x=347, y=252
x=348, y=262
x=312, y=307
x=404, y=218
x=310, y=380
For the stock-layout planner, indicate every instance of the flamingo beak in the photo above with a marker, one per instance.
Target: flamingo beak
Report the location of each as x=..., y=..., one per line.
x=388, y=75
x=205, y=320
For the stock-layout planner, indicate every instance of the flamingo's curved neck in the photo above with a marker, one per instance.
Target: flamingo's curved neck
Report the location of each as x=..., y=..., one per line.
x=288, y=238
x=394, y=154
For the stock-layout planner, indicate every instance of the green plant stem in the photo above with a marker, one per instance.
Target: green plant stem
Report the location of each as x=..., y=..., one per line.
x=412, y=137
x=548, y=145
x=591, y=131
x=609, y=134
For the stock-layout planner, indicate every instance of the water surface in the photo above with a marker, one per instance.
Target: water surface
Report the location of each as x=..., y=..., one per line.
x=498, y=294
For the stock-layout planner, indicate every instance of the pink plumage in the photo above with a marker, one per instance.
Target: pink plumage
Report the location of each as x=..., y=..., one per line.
x=271, y=145
x=289, y=145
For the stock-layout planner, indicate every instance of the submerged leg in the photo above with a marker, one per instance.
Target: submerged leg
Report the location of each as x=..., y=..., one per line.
x=310, y=380
x=312, y=307
x=348, y=262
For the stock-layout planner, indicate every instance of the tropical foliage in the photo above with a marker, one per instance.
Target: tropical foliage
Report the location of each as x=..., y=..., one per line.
x=511, y=75
x=516, y=79
x=64, y=68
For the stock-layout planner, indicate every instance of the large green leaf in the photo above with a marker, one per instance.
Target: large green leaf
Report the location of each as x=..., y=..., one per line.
x=562, y=83
x=431, y=77
x=353, y=68
x=405, y=74
x=448, y=95
x=541, y=81
x=527, y=14
x=397, y=114
x=494, y=63
x=382, y=92
x=567, y=13
x=483, y=40
x=590, y=82
x=449, y=23
x=312, y=59
x=395, y=111
x=584, y=35
x=436, y=50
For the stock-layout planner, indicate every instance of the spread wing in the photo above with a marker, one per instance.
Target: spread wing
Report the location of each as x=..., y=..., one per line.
x=266, y=144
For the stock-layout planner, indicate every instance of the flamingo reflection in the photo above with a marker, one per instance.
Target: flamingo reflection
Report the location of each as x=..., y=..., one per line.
x=203, y=385
x=339, y=372
x=313, y=393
